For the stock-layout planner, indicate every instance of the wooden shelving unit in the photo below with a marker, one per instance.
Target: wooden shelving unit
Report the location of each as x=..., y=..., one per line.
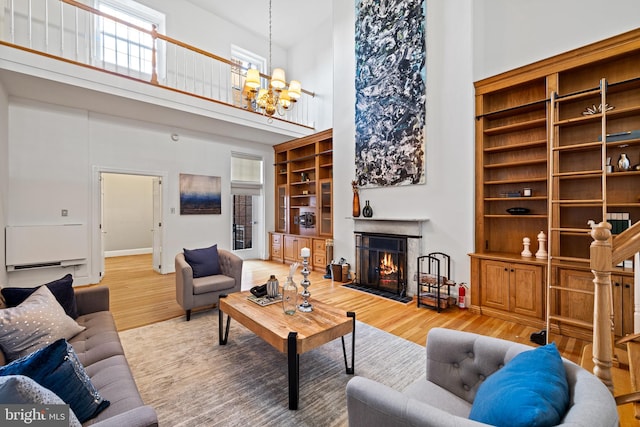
x=533, y=131
x=304, y=198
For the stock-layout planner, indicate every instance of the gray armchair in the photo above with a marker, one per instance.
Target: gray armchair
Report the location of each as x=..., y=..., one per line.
x=457, y=362
x=202, y=291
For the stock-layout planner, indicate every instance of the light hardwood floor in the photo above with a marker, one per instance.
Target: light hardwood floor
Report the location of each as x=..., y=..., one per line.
x=139, y=296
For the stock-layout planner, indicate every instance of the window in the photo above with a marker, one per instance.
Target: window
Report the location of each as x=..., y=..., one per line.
x=243, y=60
x=246, y=173
x=124, y=49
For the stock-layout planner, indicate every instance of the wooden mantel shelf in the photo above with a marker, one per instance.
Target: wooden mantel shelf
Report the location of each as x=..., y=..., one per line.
x=405, y=226
x=390, y=219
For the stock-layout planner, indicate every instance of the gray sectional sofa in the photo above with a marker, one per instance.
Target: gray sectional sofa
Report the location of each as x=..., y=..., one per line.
x=99, y=349
x=457, y=364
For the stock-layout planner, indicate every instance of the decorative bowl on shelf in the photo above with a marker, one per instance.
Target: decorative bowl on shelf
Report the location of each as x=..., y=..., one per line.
x=518, y=211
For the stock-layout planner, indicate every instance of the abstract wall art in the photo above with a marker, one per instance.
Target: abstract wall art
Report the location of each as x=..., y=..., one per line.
x=200, y=195
x=390, y=92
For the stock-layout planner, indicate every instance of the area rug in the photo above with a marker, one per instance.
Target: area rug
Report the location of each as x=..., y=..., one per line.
x=190, y=380
x=380, y=293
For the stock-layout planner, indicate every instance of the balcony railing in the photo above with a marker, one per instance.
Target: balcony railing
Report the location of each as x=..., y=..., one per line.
x=76, y=33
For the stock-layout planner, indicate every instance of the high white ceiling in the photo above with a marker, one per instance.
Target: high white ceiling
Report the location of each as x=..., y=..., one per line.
x=290, y=18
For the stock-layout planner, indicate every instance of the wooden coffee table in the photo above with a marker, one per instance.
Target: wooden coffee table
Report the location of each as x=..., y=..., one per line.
x=292, y=335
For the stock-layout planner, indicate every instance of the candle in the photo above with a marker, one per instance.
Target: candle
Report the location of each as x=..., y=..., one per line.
x=305, y=252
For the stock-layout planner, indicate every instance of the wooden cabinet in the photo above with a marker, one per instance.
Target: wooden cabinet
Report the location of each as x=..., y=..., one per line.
x=623, y=296
x=325, y=211
x=293, y=245
x=514, y=289
x=572, y=306
x=545, y=136
x=575, y=304
x=304, y=198
x=287, y=247
x=319, y=252
x=276, y=251
x=282, y=216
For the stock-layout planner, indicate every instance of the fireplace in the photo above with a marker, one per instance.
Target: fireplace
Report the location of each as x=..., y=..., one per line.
x=409, y=232
x=381, y=262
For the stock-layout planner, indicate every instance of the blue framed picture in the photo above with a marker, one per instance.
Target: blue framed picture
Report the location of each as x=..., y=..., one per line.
x=200, y=195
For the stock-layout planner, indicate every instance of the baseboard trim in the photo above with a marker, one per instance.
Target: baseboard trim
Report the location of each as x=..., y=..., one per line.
x=125, y=252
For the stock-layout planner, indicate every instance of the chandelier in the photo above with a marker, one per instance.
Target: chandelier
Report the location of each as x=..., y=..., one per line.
x=276, y=97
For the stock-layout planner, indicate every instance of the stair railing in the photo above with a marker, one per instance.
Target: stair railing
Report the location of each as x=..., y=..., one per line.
x=605, y=253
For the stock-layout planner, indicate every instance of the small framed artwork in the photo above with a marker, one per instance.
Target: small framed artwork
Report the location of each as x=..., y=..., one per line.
x=200, y=195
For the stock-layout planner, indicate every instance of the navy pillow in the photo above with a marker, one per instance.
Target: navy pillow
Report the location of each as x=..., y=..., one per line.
x=62, y=289
x=530, y=390
x=203, y=262
x=57, y=368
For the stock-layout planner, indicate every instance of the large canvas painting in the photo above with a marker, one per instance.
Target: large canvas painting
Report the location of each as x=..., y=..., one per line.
x=199, y=195
x=390, y=92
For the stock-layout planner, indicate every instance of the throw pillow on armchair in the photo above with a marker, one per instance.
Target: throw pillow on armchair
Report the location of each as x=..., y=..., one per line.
x=204, y=262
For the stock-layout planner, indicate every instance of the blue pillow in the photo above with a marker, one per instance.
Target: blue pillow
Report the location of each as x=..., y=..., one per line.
x=530, y=390
x=62, y=289
x=57, y=368
x=204, y=262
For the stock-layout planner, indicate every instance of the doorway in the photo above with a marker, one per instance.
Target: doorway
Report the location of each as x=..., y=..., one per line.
x=129, y=216
x=246, y=228
x=247, y=177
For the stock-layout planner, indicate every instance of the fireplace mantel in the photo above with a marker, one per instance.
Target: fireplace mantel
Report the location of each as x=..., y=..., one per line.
x=389, y=219
x=407, y=226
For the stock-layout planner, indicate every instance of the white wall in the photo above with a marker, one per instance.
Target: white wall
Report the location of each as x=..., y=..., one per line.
x=311, y=61
x=127, y=213
x=4, y=174
x=511, y=33
x=53, y=164
x=447, y=197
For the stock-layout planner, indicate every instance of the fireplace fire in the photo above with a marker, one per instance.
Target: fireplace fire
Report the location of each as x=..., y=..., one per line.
x=387, y=266
x=381, y=261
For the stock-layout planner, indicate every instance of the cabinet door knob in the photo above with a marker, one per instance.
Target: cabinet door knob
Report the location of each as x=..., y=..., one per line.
x=616, y=284
x=626, y=285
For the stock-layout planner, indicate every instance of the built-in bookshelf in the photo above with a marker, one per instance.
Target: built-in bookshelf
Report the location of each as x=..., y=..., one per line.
x=304, y=198
x=548, y=140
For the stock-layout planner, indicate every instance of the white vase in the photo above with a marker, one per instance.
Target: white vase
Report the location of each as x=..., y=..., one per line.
x=623, y=162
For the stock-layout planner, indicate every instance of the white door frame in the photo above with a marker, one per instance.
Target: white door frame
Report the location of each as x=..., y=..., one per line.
x=257, y=248
x=97, y=253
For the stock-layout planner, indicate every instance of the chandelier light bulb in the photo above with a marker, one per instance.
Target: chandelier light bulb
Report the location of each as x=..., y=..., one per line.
x=253, y=78
x=295, y=90
x=284, y=100
x=278, y=80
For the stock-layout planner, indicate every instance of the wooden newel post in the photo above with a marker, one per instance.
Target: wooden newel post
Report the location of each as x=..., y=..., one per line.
x=602, y=310
x=154, y=54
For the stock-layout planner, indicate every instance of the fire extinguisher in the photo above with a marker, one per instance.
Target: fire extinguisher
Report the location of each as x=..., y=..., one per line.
x=462, y=291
